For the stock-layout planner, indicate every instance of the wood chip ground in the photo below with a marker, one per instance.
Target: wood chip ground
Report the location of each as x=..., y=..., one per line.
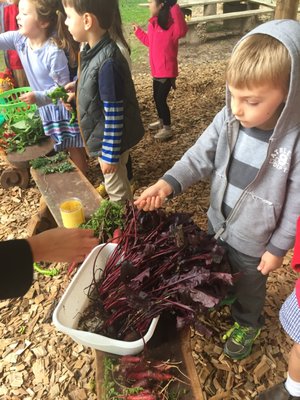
x=37, y=362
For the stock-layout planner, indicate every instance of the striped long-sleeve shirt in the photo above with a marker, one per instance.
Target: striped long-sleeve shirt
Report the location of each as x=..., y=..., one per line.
x=113, y=130
x=111, y=94
x=248, y=156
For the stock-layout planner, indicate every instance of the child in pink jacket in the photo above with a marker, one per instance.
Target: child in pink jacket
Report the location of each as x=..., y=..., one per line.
x=166, y=26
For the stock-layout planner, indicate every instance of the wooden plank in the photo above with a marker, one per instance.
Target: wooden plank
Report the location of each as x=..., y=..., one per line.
x=56, y=188
x=21, y=160
x=264, y=3
x=166, y=344
x=190, y=3
x=186, y=349
x=227, y=16
x=99, y=367
x=286, y=9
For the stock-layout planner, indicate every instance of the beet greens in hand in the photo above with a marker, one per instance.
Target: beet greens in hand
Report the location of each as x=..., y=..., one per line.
x=163, y=263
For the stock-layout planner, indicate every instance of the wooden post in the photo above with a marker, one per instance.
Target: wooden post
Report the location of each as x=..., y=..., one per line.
x=210, y=9
x=286, y=9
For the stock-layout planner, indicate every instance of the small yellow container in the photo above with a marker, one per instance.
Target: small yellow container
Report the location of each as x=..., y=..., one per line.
x=72, y=213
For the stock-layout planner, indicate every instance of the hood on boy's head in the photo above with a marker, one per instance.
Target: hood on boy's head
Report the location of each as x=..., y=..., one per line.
x=288, y=33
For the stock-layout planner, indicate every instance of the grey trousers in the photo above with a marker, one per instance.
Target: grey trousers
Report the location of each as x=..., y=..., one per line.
x=250, y=289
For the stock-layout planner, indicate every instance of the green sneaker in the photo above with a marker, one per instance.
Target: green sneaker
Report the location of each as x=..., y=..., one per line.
x=239, y=341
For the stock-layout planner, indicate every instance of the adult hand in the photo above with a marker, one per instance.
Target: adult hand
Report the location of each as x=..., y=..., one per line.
x=62, y=245
x=154, y=196
x=28, y=98
x=108, y=168
x=269, y=263
x=135, y=27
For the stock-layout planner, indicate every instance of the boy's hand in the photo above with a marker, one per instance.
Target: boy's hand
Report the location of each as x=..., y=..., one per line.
x=70, y=87
x=154, y=196
x=135, y=27
x=67, y=104
x=269, y=263
x=108, y=168
x=28, y=98
x=71, y=97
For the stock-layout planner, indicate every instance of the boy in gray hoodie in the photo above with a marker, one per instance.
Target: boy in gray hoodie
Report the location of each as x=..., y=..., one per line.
x=251, y=152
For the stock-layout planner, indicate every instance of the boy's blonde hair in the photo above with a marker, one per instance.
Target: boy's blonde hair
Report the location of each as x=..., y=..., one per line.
x=257, y=60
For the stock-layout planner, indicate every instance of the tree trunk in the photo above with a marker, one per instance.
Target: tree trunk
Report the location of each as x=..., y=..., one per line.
x=286, y=9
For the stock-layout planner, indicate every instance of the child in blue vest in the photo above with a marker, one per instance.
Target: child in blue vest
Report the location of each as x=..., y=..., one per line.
x=107, y=107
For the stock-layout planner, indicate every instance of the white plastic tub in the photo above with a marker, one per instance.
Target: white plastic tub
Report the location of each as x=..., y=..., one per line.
x=75, y=300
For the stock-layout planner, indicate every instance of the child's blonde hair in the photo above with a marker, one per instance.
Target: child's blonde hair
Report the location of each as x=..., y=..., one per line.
x=257, y=60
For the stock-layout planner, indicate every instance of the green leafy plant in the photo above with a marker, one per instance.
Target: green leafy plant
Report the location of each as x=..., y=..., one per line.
x=16, y=136
x=55, y=164
x=60, y=93
x=105, y=220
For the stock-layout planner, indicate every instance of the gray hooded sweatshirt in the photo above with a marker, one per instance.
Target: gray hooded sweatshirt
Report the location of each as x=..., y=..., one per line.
x=264, y=218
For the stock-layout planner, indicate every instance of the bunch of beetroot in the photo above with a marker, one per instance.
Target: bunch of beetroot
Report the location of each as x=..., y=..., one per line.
x=135, y=378
x=163, y=263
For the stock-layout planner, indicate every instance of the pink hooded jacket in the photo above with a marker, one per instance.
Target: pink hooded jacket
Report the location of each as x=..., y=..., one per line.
x=296, y=260
x=163, y=44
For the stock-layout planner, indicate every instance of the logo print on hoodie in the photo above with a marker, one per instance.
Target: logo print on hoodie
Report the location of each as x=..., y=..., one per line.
x=280, y=159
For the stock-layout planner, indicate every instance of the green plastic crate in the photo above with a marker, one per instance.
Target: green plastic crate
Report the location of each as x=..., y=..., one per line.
x=11, y=108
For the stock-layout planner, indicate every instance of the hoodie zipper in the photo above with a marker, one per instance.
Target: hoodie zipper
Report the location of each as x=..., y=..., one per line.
x=240, y=200
x=223, y=227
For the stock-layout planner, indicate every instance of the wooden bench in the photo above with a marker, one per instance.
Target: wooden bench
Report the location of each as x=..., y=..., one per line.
x=242, y=21
x=227, y=16
x=56, y=188
x=189, y=3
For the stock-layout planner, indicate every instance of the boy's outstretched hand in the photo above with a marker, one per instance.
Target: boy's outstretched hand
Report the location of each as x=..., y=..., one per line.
x=154, y=196
x=269, y=263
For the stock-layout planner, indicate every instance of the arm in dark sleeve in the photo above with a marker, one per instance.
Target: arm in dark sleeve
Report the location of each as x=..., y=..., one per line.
x=16, y=268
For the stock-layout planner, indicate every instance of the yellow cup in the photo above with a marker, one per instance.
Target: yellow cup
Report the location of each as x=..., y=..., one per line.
x=72, y=213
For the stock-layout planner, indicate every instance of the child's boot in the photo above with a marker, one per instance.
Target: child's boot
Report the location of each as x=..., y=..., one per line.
x=239, y=341
x=164, y=134
x=102, y=190
x=156, y=125
x=277, y=392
